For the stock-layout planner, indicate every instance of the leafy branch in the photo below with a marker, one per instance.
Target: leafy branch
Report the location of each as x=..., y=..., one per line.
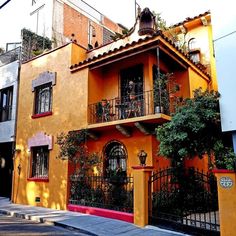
x=195, y=131
x=74, y=149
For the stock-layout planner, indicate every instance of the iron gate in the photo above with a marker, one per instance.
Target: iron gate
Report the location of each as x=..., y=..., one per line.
x=184, y=199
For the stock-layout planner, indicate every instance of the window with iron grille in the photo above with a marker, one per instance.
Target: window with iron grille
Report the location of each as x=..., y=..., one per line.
x=6, y=96
x=39, y=163
x=43, y=98
x=115, y=156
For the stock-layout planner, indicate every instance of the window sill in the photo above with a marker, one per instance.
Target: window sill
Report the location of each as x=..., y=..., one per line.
x=49, y=113
x=37, y=179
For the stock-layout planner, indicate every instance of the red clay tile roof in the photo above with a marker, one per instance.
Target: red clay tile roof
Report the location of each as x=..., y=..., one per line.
x=188, y=19
x=158, y=33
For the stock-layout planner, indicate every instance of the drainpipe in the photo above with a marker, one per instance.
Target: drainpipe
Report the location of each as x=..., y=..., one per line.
x=158, y=72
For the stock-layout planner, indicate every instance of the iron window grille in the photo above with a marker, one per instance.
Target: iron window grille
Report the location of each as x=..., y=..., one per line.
x=40, y=159
x=116, y=157
x=43, y=98
x=6, y=97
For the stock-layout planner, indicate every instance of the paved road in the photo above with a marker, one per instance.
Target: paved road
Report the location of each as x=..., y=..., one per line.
x=10, y=226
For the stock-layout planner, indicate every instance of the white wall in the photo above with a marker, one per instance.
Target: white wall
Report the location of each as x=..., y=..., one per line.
x=224, y=23
x=40, y=17
x=9, y=77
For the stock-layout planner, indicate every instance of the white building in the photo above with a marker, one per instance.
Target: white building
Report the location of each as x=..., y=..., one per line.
x=224, y=25
x=9, y=76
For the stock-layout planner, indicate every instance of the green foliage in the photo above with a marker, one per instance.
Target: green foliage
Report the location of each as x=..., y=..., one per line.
x=160, y=22
x=224, y=156
x=194, y=129
x=73, y=148
x=164, y=86
x=117, y=36
x=161, y=92
x=170, y=31
x=34, y=44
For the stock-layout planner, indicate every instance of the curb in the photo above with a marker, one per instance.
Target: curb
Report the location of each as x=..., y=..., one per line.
x=42, y=220
x=73, y=228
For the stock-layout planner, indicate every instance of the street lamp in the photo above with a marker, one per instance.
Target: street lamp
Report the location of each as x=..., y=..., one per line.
x=142, y=155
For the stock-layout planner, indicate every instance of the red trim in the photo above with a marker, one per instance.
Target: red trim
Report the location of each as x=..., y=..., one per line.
x=49, y=113
x=128, y=217
x=38, y=179
x=222, y=171
x=142, y=167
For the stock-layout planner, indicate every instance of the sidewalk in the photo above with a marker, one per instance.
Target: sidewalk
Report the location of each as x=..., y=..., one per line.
x=89, y=224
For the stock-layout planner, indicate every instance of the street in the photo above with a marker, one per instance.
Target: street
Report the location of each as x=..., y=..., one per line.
x=17, y=226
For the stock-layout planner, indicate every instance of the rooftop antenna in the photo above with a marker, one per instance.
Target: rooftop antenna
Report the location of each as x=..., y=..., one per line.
x=137, y=9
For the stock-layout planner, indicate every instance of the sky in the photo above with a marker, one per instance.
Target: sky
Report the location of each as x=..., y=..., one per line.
x=12, y=16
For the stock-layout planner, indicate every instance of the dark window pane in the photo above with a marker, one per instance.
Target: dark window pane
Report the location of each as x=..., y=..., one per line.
x=40, y=157
x=6, y=97
x=43, y=98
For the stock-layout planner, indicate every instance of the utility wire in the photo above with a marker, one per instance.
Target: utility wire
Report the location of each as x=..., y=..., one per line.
x=5, y=3
x=224, y=36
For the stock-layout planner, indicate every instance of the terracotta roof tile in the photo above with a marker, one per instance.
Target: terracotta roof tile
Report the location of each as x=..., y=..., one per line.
x=157, y=33
x=188, y=19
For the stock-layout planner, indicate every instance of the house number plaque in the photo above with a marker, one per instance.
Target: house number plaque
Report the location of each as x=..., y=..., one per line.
x=226, y=182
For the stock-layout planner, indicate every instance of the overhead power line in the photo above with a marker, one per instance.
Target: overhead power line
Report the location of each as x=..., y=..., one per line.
x=5, y=3
x=224, y=36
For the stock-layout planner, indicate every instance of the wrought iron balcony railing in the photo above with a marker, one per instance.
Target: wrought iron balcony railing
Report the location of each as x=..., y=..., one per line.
x=128, y=107
x=10, y=56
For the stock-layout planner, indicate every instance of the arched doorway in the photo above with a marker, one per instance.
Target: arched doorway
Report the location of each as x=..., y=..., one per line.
x=115, y=159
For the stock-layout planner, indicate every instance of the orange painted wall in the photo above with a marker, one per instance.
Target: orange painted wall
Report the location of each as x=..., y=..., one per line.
x=69, y=113
x=106, y=80
x=133, y=145
x=196, y=162
x=195, y=81
x=158, y=162
x=227, y=202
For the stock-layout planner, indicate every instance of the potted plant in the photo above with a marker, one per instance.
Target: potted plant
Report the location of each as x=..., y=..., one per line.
x=161, y=93
x=164, y=90
x=104, y=102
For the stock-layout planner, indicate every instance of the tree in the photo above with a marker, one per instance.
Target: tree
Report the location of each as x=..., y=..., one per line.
x=194, y=130
x=73, y=148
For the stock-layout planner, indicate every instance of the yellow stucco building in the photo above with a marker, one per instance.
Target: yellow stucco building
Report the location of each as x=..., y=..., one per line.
x=61, y=91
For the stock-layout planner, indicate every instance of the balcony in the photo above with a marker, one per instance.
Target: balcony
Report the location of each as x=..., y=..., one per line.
x=10, y=56
x=135, y=106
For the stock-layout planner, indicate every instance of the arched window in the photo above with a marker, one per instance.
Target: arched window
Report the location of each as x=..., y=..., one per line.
x=115, y=158
x=43, y=98
x=192, y=44
x=194, y=51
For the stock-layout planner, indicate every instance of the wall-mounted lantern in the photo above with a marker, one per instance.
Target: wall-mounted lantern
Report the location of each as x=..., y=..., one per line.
x=142, y=155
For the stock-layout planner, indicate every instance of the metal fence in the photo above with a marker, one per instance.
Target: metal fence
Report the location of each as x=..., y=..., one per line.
x=184, y=199
x=126, y=107
x=115, y=193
